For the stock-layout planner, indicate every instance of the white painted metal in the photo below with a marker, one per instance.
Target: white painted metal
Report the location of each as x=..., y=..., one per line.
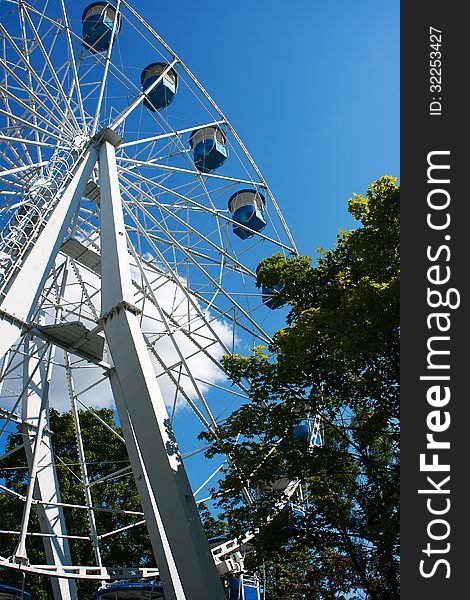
x=180, y=546
x=104, y=78
x=25, y=285
x=83, y=465
x=83, y=572
x=38, y=447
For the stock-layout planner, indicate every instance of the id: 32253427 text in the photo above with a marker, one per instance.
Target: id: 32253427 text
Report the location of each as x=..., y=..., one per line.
x=435, y=71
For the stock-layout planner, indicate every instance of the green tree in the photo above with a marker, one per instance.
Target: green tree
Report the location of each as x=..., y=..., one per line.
x=337, y=356
x=105, y=454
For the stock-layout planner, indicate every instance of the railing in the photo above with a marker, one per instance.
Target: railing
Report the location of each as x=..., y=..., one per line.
x=32, y=213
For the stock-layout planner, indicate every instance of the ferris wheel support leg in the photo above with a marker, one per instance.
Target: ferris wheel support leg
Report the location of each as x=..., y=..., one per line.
x=51, y=518
x=27, y=284
x=181, y=549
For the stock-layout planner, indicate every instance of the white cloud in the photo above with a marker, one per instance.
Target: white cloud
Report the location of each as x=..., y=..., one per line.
x=188, y=350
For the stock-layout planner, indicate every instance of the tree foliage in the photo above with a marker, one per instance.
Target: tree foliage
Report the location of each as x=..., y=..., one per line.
x=338, y=356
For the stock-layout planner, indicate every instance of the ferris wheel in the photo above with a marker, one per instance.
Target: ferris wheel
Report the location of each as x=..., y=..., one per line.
x=132, y=221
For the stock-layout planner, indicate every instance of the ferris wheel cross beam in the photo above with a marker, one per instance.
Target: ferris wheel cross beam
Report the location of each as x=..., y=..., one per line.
x=76, y=81
x=176, y=133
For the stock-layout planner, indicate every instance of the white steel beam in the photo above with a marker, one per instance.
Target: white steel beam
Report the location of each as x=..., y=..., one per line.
x=181, y=549
x=104, y=78
x=177, y=133
x=27, y=284
x=37, y=442
x=19, y=169
x=83, y=466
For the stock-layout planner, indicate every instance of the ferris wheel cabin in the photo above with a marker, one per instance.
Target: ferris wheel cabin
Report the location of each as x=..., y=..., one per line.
x=130, y=591
x=306, y=435
x=97, y=25
x=243, y=587
x=164, y=91
x=271, y=295
x=247, y=208
x=209, y=148
x=10, y=593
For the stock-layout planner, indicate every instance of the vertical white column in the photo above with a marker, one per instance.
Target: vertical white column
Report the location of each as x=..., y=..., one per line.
x=83, y=465
x=183, y=556
x=41, y=464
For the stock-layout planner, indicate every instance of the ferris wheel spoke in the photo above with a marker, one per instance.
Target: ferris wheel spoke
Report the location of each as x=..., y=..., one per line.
x=180, y=389
x=28, y=75
x=190, y=336
x=22, y=158
x=210, y=280
x=83, y=467
x=12, y=184
x=7, y=138
x=114, y=475
x=41, y=352
x=206, y=423
x=84, y=291
x=211, y=211
x=42, y=15
x=211, y=476
x=174, y=278
x=177, y=133
x=172, y=213
x=169, y=333
x=92, y=411
x=17, y=160
x=199, y=317
x=121, y=530
x=75, y=84
x=237, y=323
x=30, y=110
x=105, y=71
x=13, y=493
x=174, y=243
x=52, y=70
x=155, y=165
x=138, y=231
x=60, y=117
x=62, y=125
x=201, y=89
x=33, y=127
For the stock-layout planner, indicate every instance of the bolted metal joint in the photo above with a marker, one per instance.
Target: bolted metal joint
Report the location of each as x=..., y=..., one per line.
x=108, y=135
x=116, y=309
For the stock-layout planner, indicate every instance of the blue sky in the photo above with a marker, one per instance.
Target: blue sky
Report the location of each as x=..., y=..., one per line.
x=311, y=87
